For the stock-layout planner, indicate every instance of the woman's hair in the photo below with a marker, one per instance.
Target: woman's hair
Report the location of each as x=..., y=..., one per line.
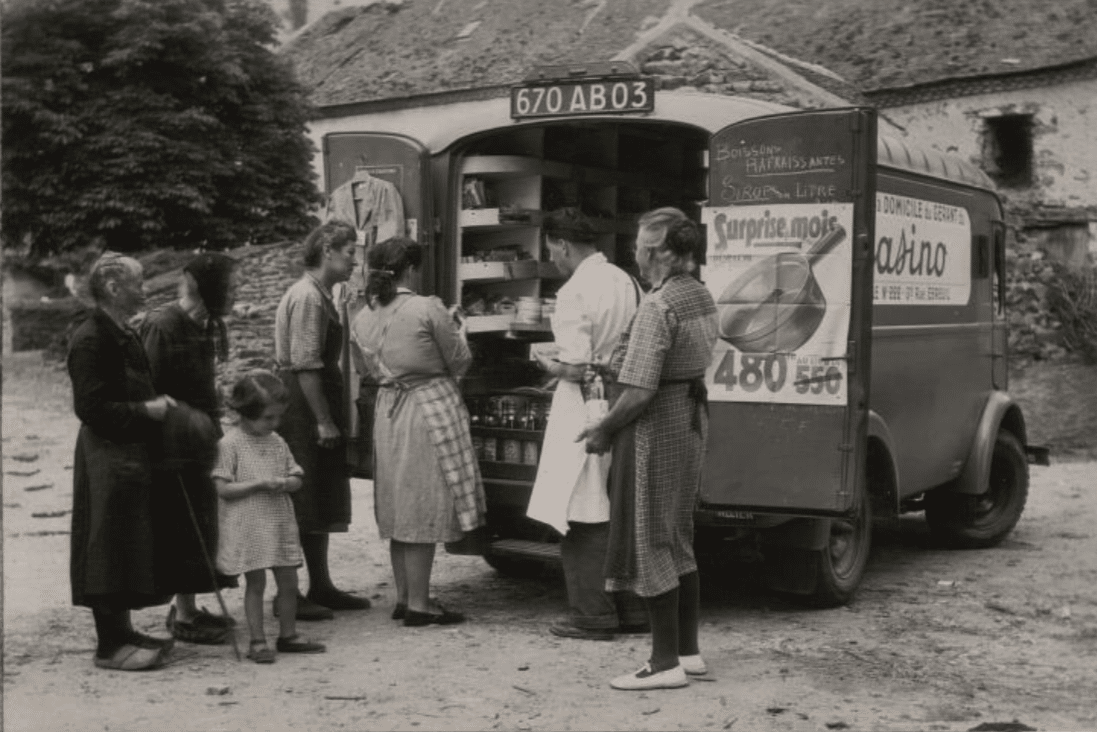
x=332, y=235
x=676, y=234
x=212, y=273
x=255, y=391
x=388, y=261
x=569, y=224
x=110, y=267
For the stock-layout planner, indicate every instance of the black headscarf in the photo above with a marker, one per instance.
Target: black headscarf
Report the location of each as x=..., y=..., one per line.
x=213, y=274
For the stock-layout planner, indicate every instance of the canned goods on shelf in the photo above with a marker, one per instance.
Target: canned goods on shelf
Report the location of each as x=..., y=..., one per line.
x=512, y=451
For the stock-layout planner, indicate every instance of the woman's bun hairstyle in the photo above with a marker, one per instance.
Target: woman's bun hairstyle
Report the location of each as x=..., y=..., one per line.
x=684, y=240
x=388, y=261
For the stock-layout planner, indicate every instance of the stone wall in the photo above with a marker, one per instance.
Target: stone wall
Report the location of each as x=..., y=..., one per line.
x=264, y=273
x=1064, y=144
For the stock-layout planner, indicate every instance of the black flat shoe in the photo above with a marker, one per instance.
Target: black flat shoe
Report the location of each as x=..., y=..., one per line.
x=399, y=611
x=413, y=619
x=339, y=600
x=307, y=610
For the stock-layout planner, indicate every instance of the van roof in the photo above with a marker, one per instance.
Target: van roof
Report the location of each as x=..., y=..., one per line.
x=899, y=154
x=439, y=129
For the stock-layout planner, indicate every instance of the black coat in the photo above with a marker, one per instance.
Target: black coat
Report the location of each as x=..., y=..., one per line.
x=113, y=560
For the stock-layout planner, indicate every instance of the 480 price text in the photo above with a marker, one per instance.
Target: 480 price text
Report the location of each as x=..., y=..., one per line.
x=771, y=371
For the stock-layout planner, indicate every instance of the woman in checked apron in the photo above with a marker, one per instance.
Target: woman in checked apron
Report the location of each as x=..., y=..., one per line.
x=426, y=479
x=658, y=427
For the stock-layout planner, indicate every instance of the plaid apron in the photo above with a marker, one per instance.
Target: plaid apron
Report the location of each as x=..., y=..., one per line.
x=439, y=402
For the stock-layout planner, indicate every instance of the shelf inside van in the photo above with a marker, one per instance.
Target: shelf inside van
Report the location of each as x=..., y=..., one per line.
x=498, y=271
x=482, y=218
x=513, y=166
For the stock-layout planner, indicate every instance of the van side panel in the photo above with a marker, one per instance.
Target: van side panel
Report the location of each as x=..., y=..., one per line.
x=932, y=364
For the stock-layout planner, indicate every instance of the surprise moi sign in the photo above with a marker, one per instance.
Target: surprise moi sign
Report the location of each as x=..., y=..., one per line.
x=923, y=252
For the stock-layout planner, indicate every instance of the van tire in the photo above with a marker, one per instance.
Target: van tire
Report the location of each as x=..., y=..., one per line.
x=841, y=565
x=967, y=521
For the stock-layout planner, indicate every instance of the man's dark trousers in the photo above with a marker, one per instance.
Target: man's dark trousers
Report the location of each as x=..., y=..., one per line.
x=583, y=553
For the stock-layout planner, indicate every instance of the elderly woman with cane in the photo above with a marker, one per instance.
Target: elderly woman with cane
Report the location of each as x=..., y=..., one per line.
x=658, y=427
x=184, y=340
x=113, y=567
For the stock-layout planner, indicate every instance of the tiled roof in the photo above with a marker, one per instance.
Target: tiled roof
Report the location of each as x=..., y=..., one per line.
x=878, y=44
x=401, y=49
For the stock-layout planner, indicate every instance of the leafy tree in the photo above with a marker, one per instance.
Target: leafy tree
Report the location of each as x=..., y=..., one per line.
x=134, y=124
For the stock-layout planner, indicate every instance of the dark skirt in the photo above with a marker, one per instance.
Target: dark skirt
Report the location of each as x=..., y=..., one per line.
x=621, y=552
x=322, y=504
x=113, y=553
x=179, y=555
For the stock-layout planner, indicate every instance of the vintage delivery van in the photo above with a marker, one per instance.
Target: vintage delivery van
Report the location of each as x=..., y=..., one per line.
x=861, y=368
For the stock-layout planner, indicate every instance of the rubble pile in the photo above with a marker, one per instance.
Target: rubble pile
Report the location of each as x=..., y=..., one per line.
x=689, y=60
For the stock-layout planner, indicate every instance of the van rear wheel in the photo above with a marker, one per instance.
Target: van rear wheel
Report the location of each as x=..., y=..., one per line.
x=841, y=565
x=979, y=521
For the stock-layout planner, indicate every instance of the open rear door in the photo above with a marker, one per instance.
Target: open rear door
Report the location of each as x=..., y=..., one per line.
x=789, y=226
x=356, y=167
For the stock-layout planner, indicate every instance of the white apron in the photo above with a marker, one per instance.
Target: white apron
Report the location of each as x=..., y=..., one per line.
x=571, y=484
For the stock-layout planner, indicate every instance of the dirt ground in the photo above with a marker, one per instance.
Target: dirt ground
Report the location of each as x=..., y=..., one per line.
x=998, y=639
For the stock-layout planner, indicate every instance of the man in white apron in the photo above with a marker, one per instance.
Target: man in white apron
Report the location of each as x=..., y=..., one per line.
x=593, y=308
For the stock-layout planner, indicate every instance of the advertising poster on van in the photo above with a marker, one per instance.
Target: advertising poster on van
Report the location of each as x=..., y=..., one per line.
x=781, y=278
x=923, y=252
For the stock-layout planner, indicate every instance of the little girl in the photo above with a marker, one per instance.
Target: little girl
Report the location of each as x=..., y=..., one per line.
x=254, y=476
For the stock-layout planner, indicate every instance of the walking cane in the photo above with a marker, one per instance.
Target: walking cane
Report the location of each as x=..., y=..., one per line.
x=209, y=564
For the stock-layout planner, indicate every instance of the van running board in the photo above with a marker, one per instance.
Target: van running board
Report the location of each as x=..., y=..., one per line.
x=523, y=549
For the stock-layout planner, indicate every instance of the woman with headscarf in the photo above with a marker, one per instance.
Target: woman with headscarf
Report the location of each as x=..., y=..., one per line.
x=658, y=426
x=113, y=565
x=427, y=484
x=183, y=340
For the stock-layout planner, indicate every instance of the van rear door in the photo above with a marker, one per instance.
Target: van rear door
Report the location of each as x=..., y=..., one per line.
x=404, y=162
x=789, y=228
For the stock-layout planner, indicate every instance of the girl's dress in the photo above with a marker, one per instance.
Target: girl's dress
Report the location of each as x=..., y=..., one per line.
x=257, y=531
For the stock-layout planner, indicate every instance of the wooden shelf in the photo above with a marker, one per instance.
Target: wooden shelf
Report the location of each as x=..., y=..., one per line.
x=509, y=434
x=488, y=323
x=513, y=166
x=516, y=166
x=489, y=219
x=483, y=272
x=508, y=471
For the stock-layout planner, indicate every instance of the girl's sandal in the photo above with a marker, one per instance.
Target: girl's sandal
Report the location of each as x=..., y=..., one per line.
x=292, y=645
x=260, y=652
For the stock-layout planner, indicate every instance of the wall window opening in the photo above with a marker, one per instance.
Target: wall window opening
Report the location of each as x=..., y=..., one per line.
x=1007, y=150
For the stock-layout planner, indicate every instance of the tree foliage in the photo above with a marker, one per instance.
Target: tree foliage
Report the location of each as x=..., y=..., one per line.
x=133, y=124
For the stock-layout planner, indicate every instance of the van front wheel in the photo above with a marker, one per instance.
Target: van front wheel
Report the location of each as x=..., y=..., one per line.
x=979, y=521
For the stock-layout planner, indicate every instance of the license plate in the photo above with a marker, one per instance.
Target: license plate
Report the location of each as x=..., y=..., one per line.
x=620, y=96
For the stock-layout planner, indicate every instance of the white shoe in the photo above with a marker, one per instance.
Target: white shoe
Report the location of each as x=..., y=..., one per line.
x=672, y=678
x=693, y=665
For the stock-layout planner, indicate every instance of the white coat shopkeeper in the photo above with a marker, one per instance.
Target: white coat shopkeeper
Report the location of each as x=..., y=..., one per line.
x=593, y=308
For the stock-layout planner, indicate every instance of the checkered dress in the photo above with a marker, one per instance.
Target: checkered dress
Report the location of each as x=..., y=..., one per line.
x=259, y=530
x=670, y=340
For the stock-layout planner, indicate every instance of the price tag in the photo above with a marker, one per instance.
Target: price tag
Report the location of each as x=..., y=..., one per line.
x=780, y=378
